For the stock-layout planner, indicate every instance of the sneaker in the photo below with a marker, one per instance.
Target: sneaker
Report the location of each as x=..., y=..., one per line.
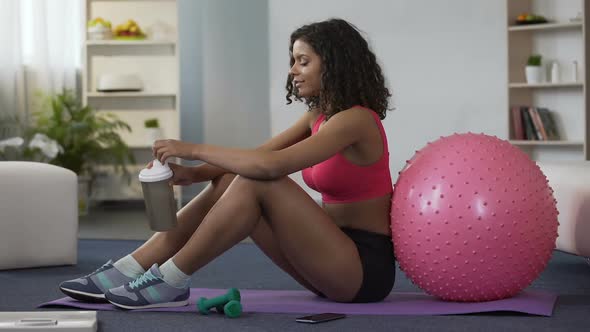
x=148, y=291
x=91, y=287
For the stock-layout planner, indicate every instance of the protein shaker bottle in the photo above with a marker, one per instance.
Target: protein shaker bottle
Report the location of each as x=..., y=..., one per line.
x=158, y=196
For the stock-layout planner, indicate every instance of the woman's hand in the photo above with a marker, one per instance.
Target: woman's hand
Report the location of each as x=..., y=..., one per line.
x=164, y=149
x=181, y=175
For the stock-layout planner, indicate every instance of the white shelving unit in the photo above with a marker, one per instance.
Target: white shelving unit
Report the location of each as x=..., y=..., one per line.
x=563, y=41
x=133, y=43
x=155, y=61
x=546, y=26
x=546, y=85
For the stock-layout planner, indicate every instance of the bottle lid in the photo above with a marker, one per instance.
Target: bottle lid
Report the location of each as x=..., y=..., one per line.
x=158, y=172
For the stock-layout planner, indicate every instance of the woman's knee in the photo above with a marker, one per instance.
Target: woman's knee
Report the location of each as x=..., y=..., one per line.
x=199, y=206
x=259, y=184
x=223, y=181
x=209, y=195
x=218, y=186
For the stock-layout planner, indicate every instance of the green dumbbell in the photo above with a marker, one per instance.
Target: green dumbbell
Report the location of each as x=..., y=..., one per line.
x=204, y=304
x=233, y=309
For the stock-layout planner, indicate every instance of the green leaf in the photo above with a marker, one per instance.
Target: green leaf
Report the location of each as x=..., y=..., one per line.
x=534, y=60
x=87, y=137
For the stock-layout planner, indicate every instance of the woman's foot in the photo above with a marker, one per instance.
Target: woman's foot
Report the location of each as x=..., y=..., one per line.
x=92, y=287
x=148, y=291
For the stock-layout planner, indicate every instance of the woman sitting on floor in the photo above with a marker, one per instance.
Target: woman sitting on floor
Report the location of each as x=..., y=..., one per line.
x=341, y=250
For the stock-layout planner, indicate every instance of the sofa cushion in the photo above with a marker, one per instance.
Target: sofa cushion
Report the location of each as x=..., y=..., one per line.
x=39, y=215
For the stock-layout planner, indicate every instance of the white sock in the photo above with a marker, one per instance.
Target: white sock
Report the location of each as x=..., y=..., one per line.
x=173, y=276
x=129, y=267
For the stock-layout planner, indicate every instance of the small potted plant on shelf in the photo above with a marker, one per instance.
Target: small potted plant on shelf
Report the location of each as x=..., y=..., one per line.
x=534, y=70
x=153, y=131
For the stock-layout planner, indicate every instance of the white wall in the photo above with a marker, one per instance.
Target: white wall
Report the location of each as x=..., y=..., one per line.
x=445, y=62
x=224, y=74
x=235, y=72
x=190, y=35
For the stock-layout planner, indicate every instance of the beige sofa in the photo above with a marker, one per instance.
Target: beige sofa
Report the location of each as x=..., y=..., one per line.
x=38, y=215
x=571, y=185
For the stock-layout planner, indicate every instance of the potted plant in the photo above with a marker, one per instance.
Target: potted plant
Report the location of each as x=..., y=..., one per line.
x=534, y=70
x=85, y=138
x=153, y=131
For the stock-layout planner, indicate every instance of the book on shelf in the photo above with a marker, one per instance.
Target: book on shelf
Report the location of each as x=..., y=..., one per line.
x=533, y=123
x=539, y=129
x=517, y=124
x=548, y=123
x=529, y=128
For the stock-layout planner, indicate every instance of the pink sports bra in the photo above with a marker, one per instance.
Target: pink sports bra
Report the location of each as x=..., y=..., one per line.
x=340, y=181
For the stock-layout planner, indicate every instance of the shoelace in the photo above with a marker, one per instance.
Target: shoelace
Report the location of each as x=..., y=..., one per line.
x=100, y=269
x=146, y=277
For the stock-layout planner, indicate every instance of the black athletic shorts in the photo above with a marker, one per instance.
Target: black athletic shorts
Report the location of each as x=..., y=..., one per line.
x=378, y=261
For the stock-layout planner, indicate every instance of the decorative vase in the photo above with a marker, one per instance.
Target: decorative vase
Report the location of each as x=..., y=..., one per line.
x=534, y=74
x=153, y=134
x=83, y=195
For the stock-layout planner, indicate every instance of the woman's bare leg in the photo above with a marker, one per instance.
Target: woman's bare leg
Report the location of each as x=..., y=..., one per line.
x=163, y=245
x=307, y=237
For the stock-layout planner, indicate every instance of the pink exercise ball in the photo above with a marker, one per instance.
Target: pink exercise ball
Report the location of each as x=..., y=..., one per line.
x=473, y=219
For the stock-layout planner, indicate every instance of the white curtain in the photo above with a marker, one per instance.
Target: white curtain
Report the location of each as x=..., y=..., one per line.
x=40, y=50
x=10, y=59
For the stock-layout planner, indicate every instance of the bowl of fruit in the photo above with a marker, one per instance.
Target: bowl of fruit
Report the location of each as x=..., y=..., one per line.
x=527, y=18
x=99, y=28
x=129, y=30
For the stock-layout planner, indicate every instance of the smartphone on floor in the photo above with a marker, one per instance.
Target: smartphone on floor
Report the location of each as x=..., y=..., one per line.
x=319, y=318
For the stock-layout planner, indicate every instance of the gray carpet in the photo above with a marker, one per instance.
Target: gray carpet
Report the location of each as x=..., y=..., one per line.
x=246, y=267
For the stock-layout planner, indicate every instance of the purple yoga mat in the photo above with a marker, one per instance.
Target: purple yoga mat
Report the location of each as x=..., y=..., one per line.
x=281, y=301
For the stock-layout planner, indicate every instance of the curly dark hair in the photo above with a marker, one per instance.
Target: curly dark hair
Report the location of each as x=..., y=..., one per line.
x=350, y=72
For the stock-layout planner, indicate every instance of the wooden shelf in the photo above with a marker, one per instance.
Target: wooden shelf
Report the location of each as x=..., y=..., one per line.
x=156, y=62
x=547, y=143
x=144, y=42
x=563, y=40
x=546, y=85
x=133, y=0
x=129, y=95
x=547, y=26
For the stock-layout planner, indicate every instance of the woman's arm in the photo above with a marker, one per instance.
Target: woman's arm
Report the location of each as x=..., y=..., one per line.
x=288, y=137
x=343, y=129
x=206, y=172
